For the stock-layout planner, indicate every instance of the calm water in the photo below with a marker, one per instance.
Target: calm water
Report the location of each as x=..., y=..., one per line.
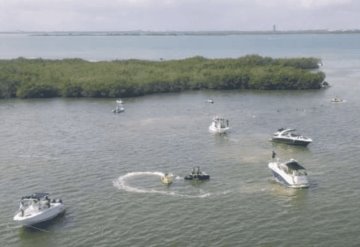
x=105, y=166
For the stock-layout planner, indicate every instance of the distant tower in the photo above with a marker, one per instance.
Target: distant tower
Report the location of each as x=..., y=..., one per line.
x=274, y=28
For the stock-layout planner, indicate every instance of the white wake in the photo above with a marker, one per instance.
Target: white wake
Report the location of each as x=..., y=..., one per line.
x=122, y=184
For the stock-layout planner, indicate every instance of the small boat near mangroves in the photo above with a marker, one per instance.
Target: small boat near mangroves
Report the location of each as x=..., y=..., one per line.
x=119, y=107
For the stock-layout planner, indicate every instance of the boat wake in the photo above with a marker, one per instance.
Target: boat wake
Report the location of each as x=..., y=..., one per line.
x=122, y=184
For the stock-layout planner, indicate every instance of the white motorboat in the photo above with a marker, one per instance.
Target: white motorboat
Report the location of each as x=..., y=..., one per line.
x=38, y=208
x=289, y=173
x=167, y=178
x=219, y=125
x=337, y=100
x=210, y=101
x=119, y=107
x=289, y=137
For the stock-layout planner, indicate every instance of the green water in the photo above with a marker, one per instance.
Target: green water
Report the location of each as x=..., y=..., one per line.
x=104, y=165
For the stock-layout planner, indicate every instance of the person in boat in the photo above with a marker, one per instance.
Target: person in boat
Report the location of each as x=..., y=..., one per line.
x=193, y=171
x=273, y=154
x=198, y=171
x=22, y=208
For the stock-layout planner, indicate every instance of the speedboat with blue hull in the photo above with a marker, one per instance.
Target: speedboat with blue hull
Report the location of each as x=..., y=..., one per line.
x=289, y=137
x=196, y=174
x=38, y=208
x=289, y=173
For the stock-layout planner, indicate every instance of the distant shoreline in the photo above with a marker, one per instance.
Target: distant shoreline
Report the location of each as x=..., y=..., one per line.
x=176, y=33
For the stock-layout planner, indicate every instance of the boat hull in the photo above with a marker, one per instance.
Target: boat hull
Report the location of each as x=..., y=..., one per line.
x=197, y=177
x=44, y=215
x=292, y=141
x=119, y=110
x=213, y=129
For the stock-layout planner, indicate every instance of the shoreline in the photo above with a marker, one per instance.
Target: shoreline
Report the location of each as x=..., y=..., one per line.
x=45, y=78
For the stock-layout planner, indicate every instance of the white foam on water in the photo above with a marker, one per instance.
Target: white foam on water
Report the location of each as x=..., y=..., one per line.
x=121, y=184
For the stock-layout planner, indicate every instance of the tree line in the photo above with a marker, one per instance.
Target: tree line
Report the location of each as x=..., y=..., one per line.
x=43, y=78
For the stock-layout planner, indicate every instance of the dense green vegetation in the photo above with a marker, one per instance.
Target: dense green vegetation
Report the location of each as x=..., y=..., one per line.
x=39, y=78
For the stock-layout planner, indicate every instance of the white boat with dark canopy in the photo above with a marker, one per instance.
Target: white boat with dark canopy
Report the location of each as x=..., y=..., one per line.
x=289, y=137
x=38, y=208
x=289, y=173
x=219, y=125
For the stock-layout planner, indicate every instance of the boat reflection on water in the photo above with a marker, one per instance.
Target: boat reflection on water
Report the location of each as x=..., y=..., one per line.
x=295, y=197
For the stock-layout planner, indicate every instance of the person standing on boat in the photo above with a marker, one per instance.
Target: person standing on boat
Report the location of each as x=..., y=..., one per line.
x=273, y=154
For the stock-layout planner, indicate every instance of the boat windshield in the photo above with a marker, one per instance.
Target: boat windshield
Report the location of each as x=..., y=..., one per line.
x=300, y=172
x=25, y=203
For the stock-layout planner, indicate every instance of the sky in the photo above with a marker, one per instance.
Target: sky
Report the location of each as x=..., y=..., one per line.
x=178, y=15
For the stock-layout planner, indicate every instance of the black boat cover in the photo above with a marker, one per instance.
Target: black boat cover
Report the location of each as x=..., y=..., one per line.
x=294, y=165
x=38, y=196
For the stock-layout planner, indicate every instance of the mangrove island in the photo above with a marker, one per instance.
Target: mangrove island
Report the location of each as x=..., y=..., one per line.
x=43, y=78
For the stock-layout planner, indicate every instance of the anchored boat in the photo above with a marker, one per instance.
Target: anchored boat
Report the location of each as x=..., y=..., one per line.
x=38, y=208
x=289, y=137
x=337, y=100
x=119, y=107
x=219, y=125
x=196, y=174
x=289, y=173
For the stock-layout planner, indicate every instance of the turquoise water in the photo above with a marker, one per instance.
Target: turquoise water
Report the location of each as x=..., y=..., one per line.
x=104, y=166
x=174, y=47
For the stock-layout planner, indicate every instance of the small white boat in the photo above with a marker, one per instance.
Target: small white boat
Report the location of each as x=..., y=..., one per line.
x=289, y=137
x=167, y=178
x=38, y=208
x=119, y=107
x=219, y=125
x=210, y=101
x=325, y=84
x=289, y=173
x=337, y=100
